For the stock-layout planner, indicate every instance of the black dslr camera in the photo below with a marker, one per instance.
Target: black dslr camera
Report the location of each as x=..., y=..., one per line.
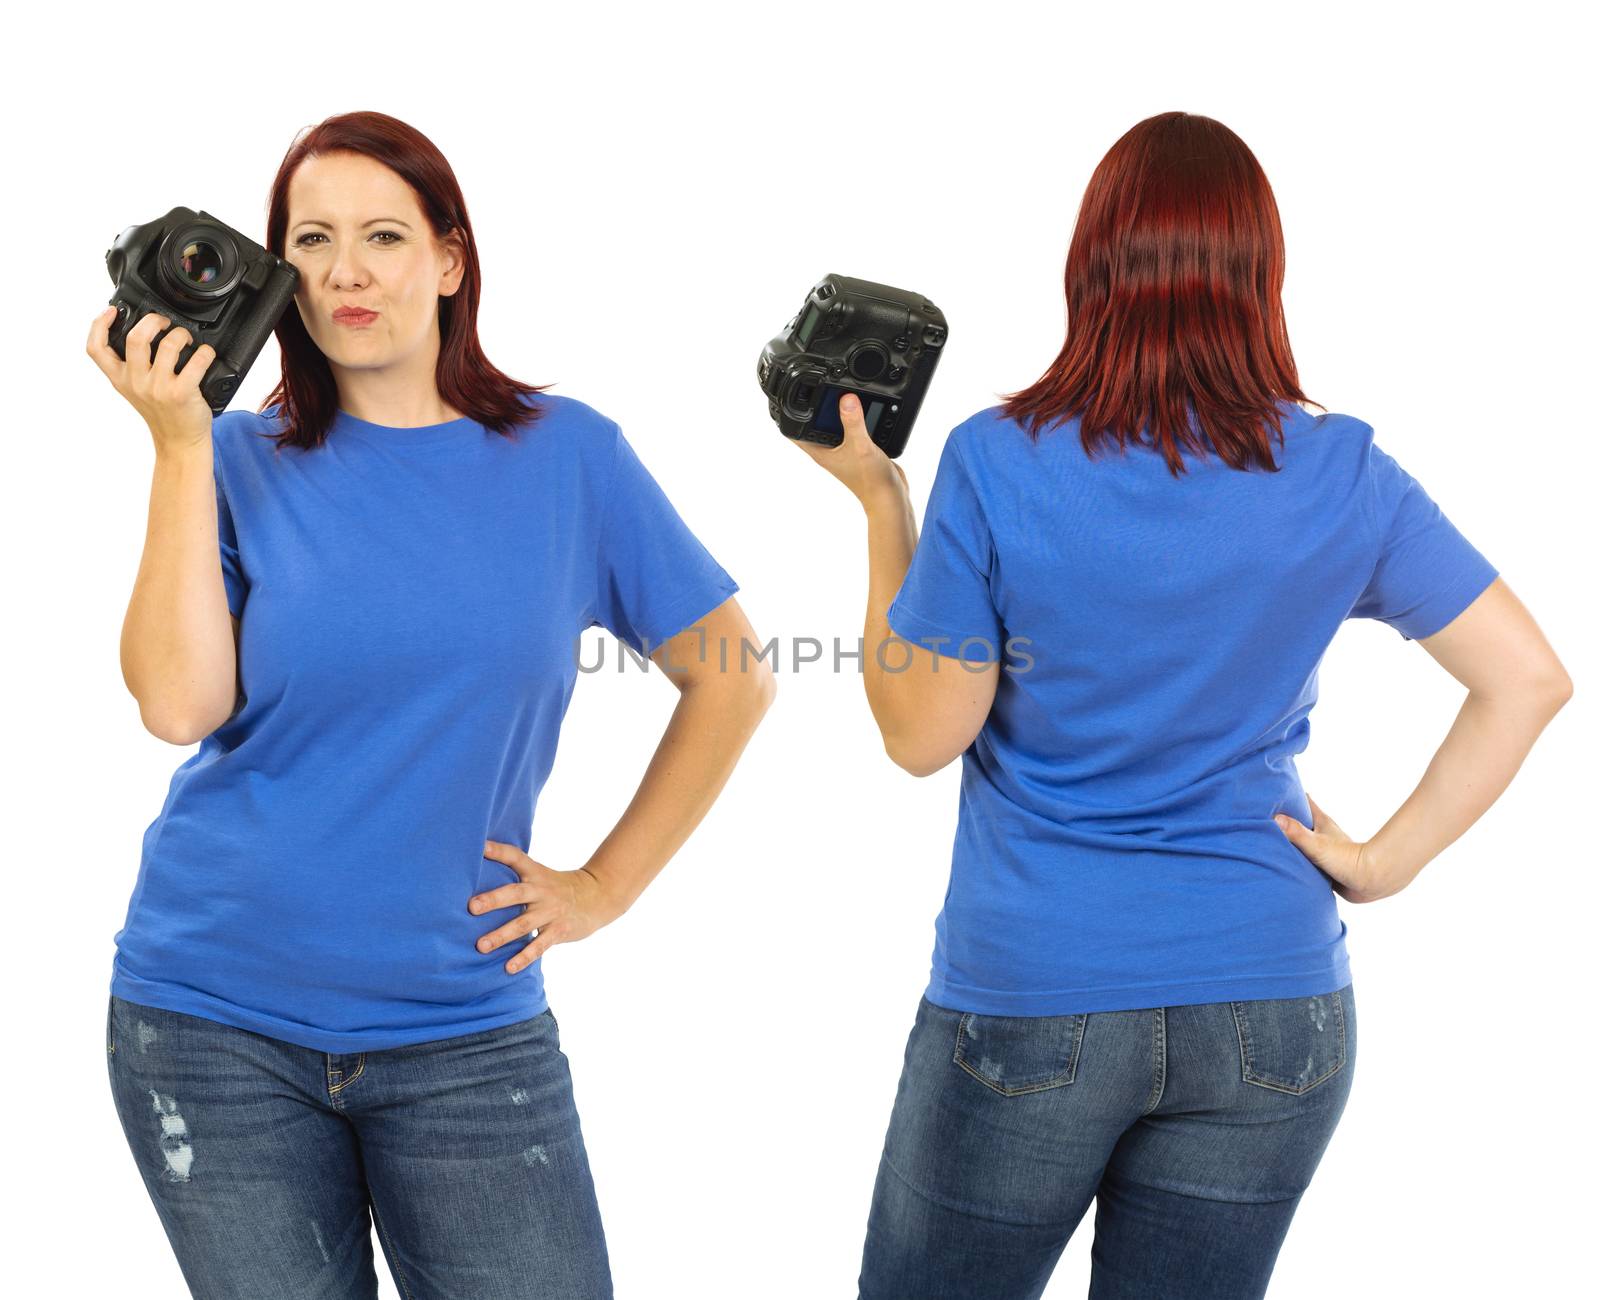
x=200, y=274
x=853, y=336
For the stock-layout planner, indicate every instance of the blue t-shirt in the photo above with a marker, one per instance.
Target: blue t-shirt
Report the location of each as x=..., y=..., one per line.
x=410, y=603
x=1115, y=847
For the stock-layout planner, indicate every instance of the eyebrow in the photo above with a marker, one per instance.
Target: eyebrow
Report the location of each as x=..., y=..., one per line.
x=374, y=222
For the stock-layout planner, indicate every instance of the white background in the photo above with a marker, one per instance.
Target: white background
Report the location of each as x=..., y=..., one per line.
x=653, y=190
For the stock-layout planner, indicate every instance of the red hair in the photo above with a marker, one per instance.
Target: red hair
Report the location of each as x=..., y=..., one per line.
x=465, y=378
x=1174, y=310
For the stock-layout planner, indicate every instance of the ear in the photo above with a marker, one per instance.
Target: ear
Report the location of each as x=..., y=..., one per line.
x=455, y=260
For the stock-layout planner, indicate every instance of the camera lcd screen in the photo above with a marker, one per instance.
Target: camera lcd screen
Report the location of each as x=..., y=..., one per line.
x=808, y=323
x=828, y=410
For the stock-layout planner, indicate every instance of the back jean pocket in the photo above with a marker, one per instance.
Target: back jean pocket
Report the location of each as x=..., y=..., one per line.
x=1019, y=1054
x=1291, y=1044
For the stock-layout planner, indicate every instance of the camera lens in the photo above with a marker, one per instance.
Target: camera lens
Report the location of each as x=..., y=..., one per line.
x=868, y=361
x=200, y=263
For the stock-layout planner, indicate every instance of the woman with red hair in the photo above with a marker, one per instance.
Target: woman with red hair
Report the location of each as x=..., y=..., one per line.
x=1127, y=576
x=324, y=997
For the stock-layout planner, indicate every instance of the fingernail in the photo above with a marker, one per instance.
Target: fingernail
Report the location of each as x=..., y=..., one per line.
x=850, y=402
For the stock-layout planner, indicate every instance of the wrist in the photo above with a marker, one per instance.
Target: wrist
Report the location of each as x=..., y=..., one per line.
x=885, y=500
x=1384, y=872
x=608, y=901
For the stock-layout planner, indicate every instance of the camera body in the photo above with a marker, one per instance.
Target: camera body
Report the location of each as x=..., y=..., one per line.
x=203, y=275
x=853, y=336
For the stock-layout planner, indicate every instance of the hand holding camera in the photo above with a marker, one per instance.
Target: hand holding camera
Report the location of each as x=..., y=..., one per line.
x=874, y=341
x=202, y=278
x=858, y=462
x=168, y=398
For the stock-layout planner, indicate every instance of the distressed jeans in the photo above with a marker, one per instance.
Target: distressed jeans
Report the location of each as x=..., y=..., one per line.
x=1195, y=1130
x=263, y=1159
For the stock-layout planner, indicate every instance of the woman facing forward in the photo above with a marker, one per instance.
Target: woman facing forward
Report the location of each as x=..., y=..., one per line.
x=1126, y=579
x=324, y=997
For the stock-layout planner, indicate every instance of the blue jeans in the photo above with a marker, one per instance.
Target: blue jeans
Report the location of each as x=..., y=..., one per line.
x=1196, y=1129
x=264, y=1157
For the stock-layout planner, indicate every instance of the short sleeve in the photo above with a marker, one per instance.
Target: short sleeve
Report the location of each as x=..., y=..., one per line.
x=233, y=579
x=945, y=603
x=1426, y=571
x=655, y=577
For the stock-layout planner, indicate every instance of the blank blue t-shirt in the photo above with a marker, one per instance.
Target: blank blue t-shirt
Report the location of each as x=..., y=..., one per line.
x=1115, y=847
x=410, y=603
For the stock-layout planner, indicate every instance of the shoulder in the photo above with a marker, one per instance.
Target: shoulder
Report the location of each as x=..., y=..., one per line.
x=986, y=440
x=235, y=426
x=981, y=431
x=587, y=431
x=239, y=437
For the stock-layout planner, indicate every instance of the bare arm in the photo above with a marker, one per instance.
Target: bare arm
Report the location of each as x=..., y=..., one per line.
x=717, y=713
x=1515, y=685
x=179, y=641
x=928, y=707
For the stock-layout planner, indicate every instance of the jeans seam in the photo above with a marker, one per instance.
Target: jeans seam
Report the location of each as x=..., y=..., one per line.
x=394, y=1255
x=361, y=1064
x=1159, y=1037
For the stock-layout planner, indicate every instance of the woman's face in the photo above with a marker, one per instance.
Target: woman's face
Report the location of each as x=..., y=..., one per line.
x=359, y=240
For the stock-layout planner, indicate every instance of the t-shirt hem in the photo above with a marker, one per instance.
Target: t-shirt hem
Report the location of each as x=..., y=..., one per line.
x=913, y=627
x=194, y=1003
x=689, y=611
x=1133, y=997
x=1448, y=605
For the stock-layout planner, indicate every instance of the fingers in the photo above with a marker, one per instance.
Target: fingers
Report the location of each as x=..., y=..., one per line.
x=194, y=369
x=136, y=346
x=532, y=952
x=506, y=933
x=855, y=424
x=549, y=931
x=494, y=899
x=166, y=359
x=99, y=344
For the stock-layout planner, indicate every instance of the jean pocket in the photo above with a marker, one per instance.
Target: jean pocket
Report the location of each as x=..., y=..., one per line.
x=111, y=1043
x=1019, y=1054
x=1291, y=1044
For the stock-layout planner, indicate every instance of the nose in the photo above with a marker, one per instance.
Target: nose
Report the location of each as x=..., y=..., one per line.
x=347, y=271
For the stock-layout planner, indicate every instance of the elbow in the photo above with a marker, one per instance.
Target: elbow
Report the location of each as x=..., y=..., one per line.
x=172, y=730
x=1553, y=688
x=1560, y=692
x=751, y=695
x=181, y=728
x=766, y=690
x=909, y=759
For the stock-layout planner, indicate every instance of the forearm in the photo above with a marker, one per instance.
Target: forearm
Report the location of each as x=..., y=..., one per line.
x=1482, y=752
x=891, y=542
x=705, y=736
x=177, y=649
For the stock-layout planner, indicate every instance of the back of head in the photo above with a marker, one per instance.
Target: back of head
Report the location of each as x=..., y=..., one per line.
x=1175, y=329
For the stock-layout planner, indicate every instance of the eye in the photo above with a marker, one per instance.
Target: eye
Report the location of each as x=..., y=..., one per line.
x=393, y=237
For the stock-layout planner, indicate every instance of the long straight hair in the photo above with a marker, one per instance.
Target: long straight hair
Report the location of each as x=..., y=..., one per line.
x=1175, y=329
x=307, y=393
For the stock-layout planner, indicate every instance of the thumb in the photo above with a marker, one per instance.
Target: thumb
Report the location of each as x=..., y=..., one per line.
x=1290, y=827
